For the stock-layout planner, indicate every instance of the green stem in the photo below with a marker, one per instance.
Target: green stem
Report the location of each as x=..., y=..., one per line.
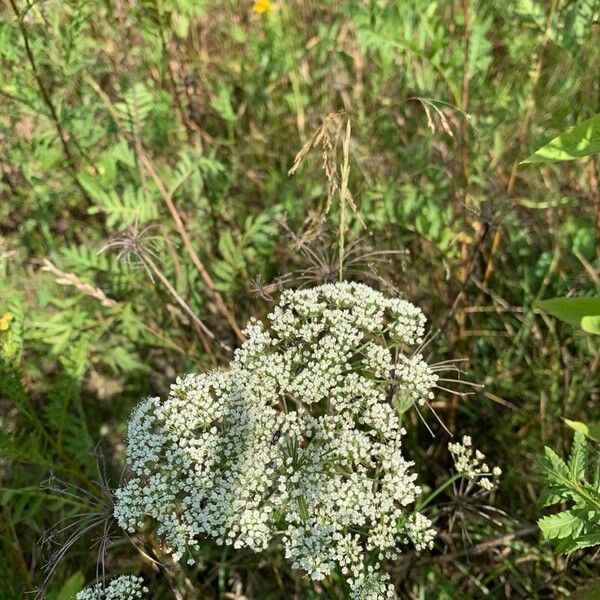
x=436, y=492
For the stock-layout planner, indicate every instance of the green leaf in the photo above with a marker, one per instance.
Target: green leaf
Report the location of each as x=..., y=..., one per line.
x=572, y=310
x=73, y=585
x=181, y=25
x=222, y=105
x=556, y=463
x=591, y=324
x=591, y=430
x=580, y=140
x=561, y=525
x=303, y=508
x=587, y=540
x=578, y=456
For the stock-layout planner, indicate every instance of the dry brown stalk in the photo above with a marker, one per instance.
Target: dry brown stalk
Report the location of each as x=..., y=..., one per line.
x=167, y=197
x=71, y=279
x=184, y=305
x=46, y=97
x=327, y=136
x=522, y=132
x=208, y=281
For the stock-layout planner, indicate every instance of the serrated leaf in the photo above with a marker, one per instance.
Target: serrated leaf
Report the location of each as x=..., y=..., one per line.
x=565, y=546
x=557, y=478
x=580, y=140
x=587, y=540
x=227, y=247
x=561, y=525
x=591, y=430
x=555, y=462
x=123, y=153
x=578, y=457
x=92, y=186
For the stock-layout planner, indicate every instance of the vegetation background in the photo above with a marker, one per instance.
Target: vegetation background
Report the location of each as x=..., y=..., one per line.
x=144, y=196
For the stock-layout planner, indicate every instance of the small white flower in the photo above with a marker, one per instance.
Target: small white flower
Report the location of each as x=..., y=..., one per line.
x=469, y=462
x=298, y=436
x=124, y=587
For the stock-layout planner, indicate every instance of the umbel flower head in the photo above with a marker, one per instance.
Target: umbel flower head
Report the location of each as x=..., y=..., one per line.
x=469, y=462
x=124, y=587
x=298, y=441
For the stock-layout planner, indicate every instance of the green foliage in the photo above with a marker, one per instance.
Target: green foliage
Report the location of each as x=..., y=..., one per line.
x=578, y=141
x=583, y=312
x=577, y=484
x=590, y=430
x=218, y=98
x=240, y=252
x=122, y=210
x=74, y=584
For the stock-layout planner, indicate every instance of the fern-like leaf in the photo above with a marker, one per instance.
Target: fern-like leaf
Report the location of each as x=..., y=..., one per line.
x=578, y=526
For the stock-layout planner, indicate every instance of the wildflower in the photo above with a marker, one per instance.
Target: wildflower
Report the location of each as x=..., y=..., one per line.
x=470, y=463
x=5, y=320
x=416, y=381
x=297, y=441
x=124, y=587
x=262, y=7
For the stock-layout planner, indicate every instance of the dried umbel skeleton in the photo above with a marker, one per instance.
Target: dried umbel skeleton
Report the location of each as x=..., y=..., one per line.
x=298, y=441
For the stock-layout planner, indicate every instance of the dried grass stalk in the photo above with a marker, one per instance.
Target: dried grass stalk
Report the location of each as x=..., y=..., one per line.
x=71, y=279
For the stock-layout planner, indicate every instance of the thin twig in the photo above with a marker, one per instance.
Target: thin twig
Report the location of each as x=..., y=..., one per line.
x=184, y=305
x=167, y=197
x=187, y=123
x=71, y=279
x=62, y=135
x=522, y=132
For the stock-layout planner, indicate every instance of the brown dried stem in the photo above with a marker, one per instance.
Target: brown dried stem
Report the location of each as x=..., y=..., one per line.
x=167, y=198
x=63, y=278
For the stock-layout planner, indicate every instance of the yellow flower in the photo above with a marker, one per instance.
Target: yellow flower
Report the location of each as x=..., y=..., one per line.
x=5, y=320
x=262, y=6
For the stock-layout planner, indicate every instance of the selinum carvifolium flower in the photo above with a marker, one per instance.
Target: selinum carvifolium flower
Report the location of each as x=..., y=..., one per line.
x=124, y=587
x=298, y=441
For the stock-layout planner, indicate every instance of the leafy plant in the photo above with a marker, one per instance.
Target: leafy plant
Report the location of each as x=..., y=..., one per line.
x=583, y=312
x=142, y=192
x=578, y=141
x=577, y=484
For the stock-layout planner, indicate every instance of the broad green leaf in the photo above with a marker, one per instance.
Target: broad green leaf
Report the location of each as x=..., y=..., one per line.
x=572, y=310
x=561, y=525
x=580, y=140
x=591, y=430
x=71, y=586
x=591, y=324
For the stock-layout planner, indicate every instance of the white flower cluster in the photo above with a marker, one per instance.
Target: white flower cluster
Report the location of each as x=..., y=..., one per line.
x=415, y=381
x=470, y=462
x=297, y=441
x=124, y=587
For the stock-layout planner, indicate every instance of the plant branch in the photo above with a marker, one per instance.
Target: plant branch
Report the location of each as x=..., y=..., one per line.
x=62, y=135
x=167, y=197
